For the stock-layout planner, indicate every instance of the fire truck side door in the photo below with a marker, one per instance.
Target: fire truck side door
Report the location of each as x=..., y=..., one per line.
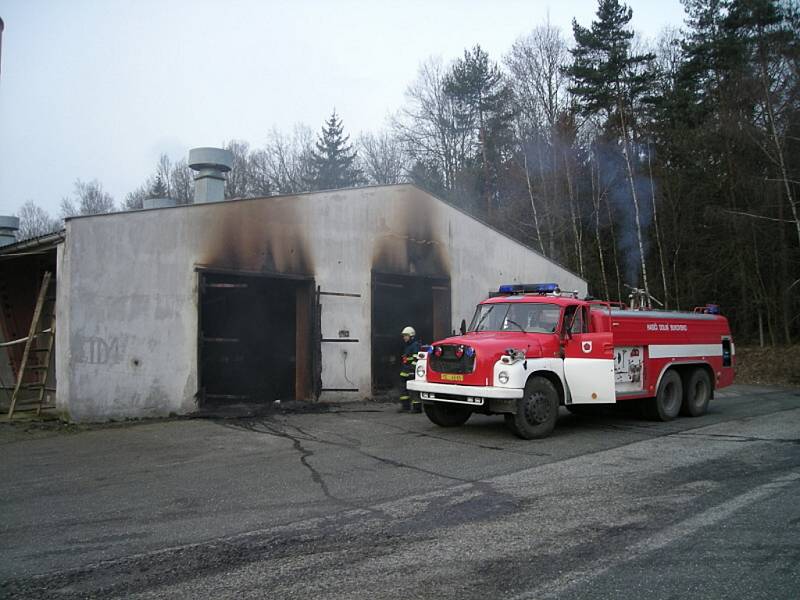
x=589, y=368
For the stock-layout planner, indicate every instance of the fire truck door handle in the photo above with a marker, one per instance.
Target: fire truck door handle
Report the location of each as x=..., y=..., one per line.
x=608, y=346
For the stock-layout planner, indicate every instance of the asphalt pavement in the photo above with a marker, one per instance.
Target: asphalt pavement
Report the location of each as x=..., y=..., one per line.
x=361, y=502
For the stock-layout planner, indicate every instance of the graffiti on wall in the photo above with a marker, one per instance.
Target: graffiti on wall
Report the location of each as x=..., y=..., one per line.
x=98, y=350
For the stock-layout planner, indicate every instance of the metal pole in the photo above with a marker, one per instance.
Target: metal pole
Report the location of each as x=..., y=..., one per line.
x=2, y=26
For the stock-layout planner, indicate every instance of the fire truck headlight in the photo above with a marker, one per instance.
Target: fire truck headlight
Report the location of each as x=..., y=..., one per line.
x=502, y=377
x=420, y=371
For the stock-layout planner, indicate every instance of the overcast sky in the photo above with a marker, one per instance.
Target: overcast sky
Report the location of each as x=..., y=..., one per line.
x=98, y=89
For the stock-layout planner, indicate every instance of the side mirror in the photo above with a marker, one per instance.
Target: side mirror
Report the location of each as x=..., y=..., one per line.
x=463, y=328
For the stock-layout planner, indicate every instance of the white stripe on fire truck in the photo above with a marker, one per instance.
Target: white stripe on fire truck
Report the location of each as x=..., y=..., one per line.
x=684, y=350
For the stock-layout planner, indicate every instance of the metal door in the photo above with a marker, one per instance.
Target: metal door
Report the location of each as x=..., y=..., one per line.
x=337, y=367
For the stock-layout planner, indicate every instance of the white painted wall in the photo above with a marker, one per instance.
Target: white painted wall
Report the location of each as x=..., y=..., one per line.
x=127, y=289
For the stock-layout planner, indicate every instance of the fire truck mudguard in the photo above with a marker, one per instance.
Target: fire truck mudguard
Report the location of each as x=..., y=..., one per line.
x=531, y=348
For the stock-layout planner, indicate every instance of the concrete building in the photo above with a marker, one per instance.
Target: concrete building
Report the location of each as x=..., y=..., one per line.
x=171, y=310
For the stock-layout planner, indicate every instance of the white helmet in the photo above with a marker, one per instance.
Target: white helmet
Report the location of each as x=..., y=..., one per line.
x=409, y=331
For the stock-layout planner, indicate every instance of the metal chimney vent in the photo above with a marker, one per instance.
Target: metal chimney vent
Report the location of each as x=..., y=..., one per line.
x=158, y=202
x=211, y=165
x=8, y=230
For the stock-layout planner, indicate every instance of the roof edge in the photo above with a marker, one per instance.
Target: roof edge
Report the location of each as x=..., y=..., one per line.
x=499, y=231
x=34, y=243
x=348, y=189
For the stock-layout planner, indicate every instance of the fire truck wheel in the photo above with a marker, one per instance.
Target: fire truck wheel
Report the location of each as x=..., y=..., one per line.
x=446, y=415
x=696, y=393
x=667, y=403
x=537, y=410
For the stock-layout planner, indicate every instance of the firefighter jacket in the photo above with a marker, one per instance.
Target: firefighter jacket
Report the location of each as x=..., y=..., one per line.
x=409, y=358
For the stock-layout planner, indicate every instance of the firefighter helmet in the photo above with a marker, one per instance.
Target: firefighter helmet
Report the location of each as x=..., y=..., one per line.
x=409, y=331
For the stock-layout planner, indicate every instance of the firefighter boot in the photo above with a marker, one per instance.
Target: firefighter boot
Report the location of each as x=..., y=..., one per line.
x=405, y=404
x=416, y=407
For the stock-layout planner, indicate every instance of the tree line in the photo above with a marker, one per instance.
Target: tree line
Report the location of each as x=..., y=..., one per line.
x=670, y=165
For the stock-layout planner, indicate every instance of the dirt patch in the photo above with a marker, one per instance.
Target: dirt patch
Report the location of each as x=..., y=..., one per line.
x=27, y=426
x=779, y=365
x=31, y=427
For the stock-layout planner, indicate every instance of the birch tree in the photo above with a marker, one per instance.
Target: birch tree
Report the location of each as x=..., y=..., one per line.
x=607, y=80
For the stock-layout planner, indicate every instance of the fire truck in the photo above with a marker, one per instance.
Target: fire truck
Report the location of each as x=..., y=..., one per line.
x=531, y=348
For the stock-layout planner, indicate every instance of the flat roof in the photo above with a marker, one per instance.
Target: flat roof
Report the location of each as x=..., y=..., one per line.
x=345, y=190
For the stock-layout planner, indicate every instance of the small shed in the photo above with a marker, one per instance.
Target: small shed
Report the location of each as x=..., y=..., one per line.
x=22, y=266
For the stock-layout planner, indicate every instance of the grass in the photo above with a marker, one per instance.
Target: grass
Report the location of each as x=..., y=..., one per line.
x=771, y=365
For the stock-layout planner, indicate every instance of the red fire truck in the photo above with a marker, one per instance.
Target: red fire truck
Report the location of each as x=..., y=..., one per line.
x=531, y=348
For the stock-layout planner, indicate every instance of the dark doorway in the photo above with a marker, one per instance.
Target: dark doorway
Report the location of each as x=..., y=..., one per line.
x=397, y=301
x=21, y=274
x=255, y=336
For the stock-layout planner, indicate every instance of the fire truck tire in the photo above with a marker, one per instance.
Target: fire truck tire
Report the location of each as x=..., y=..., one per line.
x=667, y=403
x=537, y=410
x=446, y=415
x=696, y=393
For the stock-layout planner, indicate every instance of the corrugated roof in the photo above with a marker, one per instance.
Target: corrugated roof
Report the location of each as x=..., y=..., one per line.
x=36, y=245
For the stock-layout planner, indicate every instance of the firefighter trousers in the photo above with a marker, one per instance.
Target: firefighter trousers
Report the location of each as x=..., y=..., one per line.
x=409, y=400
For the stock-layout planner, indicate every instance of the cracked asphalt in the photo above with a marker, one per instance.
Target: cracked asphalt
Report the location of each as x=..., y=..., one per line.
x=362, y=502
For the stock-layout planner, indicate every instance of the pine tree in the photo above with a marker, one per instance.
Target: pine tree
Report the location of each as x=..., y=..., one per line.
x=333, y=164
x=158, y=189
x=610, y=80
x=607, y=78
x=483, y=100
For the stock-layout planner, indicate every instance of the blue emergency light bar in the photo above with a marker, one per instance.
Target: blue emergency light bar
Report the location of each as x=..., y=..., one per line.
x=529, y=288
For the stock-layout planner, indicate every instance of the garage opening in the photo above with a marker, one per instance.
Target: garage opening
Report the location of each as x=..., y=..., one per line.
x=255, y=338
x=22, y=267
x=397, y=301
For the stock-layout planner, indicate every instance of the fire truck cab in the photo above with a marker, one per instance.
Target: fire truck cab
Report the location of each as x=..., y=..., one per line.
x=531, y=348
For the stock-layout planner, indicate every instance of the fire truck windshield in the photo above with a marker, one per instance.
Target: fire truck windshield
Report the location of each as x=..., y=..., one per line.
x=516, y=316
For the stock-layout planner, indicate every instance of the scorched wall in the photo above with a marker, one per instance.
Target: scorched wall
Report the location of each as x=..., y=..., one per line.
x=127, y=342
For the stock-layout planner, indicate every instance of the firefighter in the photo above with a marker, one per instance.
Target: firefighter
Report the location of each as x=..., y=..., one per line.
x=408, y=363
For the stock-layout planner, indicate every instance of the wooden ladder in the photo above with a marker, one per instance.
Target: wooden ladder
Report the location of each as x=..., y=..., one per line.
x=43, y=351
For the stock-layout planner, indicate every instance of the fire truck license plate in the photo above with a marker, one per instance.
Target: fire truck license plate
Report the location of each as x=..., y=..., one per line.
x=452, y=377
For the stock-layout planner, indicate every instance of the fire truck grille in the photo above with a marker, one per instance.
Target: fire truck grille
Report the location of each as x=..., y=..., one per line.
x=449, y=363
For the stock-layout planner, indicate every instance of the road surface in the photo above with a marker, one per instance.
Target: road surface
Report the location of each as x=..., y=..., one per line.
x=362, y=502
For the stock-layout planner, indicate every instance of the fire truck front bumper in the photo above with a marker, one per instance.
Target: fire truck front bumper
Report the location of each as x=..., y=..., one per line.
x=496, y=399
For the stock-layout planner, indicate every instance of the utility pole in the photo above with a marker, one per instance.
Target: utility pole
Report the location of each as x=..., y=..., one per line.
x=2, y=26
